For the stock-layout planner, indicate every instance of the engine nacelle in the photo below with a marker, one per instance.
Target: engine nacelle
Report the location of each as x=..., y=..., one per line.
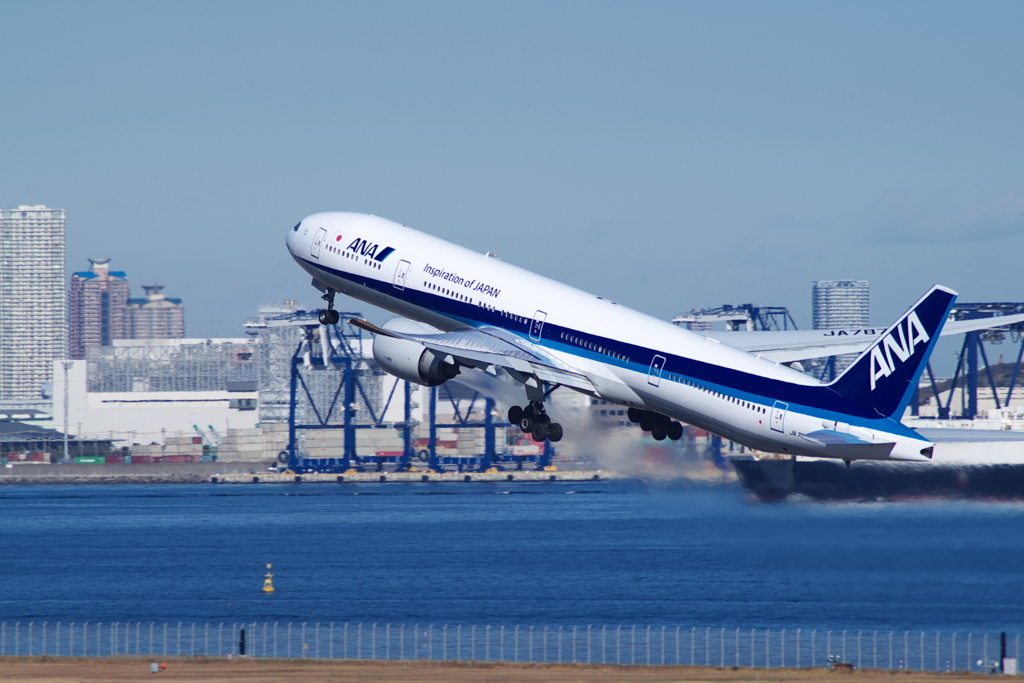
x=408, y=360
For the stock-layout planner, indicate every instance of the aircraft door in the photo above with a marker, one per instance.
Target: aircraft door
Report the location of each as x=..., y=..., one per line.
x=318, y=241
x=654, y=374
x=779, y=416
x=537, y=326
x=400, y=272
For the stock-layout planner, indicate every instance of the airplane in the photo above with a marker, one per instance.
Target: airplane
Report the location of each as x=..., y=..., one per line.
x=460, y=309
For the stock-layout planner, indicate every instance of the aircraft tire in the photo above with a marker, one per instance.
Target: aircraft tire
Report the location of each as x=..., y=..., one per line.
x=554, y=432
x=539, y=433
x=634, y=414
x=323, y=317
x=526, y=424
x=647, y=422
x=659, y=433
x=515, y=414
x=674, y=431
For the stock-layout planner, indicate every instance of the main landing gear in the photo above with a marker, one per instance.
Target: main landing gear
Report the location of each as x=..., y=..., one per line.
x=534, y=421
x=329, y=316
x=660, y=426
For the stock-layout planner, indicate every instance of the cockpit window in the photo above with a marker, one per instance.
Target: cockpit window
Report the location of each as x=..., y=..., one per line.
x=296, y=228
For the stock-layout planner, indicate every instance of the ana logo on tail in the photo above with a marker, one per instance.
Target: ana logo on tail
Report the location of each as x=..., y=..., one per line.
x=888, y=352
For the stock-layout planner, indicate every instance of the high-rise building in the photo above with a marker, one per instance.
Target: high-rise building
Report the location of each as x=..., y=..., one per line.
x=841, y=304
x=98, y=307
x=33, y=299
x=156, y=316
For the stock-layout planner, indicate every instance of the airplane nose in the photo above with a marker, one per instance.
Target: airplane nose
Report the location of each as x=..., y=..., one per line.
x=292, y=237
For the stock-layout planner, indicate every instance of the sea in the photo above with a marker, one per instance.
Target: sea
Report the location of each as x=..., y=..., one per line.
x=607, y=552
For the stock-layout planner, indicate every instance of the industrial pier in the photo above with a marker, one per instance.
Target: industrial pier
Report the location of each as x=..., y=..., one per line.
x=408, y=477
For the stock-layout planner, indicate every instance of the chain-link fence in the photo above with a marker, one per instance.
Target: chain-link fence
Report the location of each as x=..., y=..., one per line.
x=597, y=644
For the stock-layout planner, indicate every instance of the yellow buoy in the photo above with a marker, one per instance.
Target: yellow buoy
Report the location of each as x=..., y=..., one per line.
x=268, y=587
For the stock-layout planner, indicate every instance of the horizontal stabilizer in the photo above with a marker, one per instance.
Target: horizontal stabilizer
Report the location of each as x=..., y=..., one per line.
x=849, y=447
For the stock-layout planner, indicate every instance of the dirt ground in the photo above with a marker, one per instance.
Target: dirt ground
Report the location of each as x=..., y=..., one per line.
x=192, y=670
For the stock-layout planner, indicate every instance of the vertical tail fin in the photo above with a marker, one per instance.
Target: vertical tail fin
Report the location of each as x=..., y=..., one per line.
x=885, y=375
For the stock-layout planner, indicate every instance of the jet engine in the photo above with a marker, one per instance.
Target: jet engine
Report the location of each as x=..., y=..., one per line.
x=409, y=360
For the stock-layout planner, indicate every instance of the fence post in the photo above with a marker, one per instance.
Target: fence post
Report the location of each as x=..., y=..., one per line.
x=922, y=650
x=618, y=644
x=737, y=648
x=814, y=636
x=401, y=641
x=677, y=647
x=632, y=648
x=874, y=649
x=752, y=632
x=648, y=646
x=359, y=641
x=529, y=646
x=707, y=646
x=588, y=642
x=844, y=646
x=487, y=643
x=890, y=650
x=798, y=648
x=782, y=650
x=693, y=633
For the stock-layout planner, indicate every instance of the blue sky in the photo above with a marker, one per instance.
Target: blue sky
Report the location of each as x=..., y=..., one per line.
x=667, y=155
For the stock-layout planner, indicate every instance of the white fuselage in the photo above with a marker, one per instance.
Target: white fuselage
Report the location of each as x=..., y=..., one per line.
x=667, y=369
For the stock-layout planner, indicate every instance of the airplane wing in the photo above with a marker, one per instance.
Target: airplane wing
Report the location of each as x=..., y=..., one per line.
x=795, y=345
x=490, y=346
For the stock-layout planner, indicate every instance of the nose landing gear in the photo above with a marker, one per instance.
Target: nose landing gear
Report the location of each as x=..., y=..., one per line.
x=533, y=420
x=329, y=316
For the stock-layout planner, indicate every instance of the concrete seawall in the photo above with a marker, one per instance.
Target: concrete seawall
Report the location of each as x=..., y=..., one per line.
x=135, y=473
